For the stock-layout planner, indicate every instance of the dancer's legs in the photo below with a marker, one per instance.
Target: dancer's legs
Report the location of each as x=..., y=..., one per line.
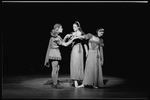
x=54, y=73
x=57, y=70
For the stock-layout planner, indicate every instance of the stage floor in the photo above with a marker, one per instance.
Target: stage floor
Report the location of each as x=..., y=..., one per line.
x=38, y=87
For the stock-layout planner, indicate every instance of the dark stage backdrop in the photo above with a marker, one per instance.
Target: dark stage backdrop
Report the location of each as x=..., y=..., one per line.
x=26, y=31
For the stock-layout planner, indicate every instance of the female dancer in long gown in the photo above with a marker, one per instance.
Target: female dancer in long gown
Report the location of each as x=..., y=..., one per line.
x=93, y=75
x=53, y=54
x=76, y=63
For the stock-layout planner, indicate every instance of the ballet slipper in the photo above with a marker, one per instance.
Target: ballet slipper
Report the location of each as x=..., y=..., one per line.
x=80, y=86
x=76, y=83
x=95, y=87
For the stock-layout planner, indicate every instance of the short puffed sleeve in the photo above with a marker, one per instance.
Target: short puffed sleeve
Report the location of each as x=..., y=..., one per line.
x=88, y=36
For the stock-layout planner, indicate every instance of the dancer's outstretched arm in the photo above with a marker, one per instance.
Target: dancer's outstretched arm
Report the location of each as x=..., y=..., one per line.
x=66, y=43
x=101, y=51
x=86, y=49
x=101, y=54
x=67, y=36
x=69, y=42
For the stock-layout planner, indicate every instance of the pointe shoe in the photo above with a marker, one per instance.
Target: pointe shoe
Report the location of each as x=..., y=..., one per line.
x=95, y=87
x=76, y=83
x=80, y=86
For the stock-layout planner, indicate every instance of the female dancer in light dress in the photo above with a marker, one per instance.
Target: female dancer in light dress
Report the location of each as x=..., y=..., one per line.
x=76, y=63
x=53, y=54
x=93, y=75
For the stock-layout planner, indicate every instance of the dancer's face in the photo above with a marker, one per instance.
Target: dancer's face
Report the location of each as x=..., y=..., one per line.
x=75, y=27
x=60, y=29
x=100, y=32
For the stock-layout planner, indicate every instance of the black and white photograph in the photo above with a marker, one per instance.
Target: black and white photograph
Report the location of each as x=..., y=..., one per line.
x=74, y=50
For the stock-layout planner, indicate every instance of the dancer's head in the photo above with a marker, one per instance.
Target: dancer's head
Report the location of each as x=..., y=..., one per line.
x=57, y=29
x=100, y=32
x=76, y=26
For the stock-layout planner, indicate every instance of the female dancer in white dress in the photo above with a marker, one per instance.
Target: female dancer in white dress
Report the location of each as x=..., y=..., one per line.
x=76, y=63
x=93, y=75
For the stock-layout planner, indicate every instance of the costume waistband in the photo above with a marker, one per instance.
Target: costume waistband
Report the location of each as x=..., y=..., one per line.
x=93, y=49
x=55, y=48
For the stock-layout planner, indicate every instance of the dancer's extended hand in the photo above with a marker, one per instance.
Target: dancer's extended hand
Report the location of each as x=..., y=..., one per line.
x=68, y=35
x=75, y=37
x=87, y=54
x=102, y=63
x=47, y=64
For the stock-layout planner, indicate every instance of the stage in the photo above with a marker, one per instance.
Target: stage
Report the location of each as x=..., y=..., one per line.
x=38, y=87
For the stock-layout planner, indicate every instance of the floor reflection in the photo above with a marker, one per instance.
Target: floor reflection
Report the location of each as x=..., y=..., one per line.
x=38, y=87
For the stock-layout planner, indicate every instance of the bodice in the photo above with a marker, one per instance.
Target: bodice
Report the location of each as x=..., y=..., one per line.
x=93, y=45
x=55, y=41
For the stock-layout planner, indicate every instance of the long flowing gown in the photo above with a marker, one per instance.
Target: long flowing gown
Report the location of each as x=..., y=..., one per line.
x=93, y=71
x=76, y=63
